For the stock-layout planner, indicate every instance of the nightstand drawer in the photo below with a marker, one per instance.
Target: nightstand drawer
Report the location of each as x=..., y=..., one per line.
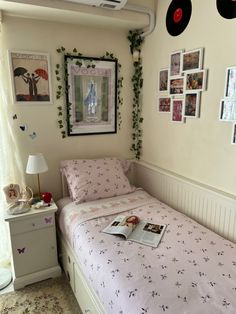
x=33, y=223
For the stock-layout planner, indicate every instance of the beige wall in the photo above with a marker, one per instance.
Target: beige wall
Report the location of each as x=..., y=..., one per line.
x=201, y=148
x=33, y=35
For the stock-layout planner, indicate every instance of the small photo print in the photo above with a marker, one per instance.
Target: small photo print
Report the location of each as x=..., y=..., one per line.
x=191, y=105
x=164, y=80
x=177, y=86
x=192, y=60
x=230, y=85
x=234, y=135
x=164, y=104
x=177, y=110
x=195, y=80
x=228, y=110
x=176, y=63
x=153, y=228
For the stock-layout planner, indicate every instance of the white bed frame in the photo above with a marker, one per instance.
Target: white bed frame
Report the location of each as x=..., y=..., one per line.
x=210, y=207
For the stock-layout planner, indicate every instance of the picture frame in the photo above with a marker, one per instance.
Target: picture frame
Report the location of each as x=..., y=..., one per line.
x=227, y=110
x=230, y=82
x=30, y=77
x=163, y=80
x=192, y=60
x=195, y=80
x=176, y=85
x=176, y=63
x=191, y=104
x=177, y=106
x=233, y=139
x=91, y=95
x=164, y=104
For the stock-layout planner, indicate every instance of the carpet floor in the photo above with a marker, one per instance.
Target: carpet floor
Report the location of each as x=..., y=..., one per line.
x=46, y=297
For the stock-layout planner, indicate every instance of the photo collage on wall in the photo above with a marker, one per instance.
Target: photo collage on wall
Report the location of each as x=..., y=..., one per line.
x=180, y=85
x=228, y=103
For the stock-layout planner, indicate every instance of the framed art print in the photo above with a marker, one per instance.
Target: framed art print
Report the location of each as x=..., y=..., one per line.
x=192, y=60
x=164, y=80
x=228, y=110
x=92, y=95
x=195, y=80
x=177, y=106
x=164, y=104
x=233, y=141
x=31, y=77
x=230, y=82
x=176, y=63
x=191, y=105
x=177, y=85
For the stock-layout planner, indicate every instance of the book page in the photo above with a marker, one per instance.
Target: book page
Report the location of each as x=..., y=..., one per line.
x=147, y=233
x=122, y=225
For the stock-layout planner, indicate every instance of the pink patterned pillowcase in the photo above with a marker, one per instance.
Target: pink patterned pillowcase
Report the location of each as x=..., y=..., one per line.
x=92, y=179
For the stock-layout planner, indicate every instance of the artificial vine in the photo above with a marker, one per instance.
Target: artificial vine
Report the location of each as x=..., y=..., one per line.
x=62, y=88
x=136, y=41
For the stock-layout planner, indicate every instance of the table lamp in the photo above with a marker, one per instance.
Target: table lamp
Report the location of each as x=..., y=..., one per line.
x=36, y=164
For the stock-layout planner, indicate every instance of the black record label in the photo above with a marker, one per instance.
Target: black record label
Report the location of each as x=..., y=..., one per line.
x=178, y=16
x=226, y=8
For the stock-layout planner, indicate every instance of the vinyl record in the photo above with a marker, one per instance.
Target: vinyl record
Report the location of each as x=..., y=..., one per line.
x=226, y=8
x=178, y=16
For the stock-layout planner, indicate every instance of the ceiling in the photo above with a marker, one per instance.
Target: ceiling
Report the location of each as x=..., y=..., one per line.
x=74, y=13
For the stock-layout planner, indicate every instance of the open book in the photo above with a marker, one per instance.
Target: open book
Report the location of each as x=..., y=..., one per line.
x=134, y=229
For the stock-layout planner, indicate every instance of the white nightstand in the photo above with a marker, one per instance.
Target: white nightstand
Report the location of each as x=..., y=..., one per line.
x=34, y=246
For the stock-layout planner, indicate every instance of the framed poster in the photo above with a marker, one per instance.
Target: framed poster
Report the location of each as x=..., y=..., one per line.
x=31, y=77
x=177, y=106
x=177, y=85
x=228, y=110
x=164, y=80
x=176, y=63
x=164, y=104
x=92, y=95
x=230, y=82
x=233, y=141
x=195, y=80
x=192, y=60
x=191, y=105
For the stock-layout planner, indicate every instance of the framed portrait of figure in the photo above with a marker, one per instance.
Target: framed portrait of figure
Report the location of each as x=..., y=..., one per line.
x=30, y=77
x=91, y=85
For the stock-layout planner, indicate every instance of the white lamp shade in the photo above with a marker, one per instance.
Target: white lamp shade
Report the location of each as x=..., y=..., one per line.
x=36, y=164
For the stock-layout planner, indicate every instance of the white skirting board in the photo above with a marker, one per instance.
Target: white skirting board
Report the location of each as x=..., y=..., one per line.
x=214, y=209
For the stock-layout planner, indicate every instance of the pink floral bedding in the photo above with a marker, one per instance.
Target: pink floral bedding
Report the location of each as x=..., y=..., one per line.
x=193, y=270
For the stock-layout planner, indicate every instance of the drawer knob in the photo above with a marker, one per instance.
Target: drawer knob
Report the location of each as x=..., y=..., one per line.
x=33, y=224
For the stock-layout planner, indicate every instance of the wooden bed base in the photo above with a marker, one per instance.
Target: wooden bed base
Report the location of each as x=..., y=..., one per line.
x=86, y=297
x=214, y=209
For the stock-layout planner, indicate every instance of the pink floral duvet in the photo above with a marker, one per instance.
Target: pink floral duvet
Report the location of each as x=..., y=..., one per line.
x=193, y=270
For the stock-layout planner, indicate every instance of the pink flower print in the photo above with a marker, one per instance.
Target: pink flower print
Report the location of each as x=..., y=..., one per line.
x=93, y=209
x=73, y=217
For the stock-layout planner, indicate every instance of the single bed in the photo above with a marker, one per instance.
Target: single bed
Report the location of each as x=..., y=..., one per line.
x=193, y=270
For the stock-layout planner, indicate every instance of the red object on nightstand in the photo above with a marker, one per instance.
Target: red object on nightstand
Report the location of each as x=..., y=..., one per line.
x=46, y=197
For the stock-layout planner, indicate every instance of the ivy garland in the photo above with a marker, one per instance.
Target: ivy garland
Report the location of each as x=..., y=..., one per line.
x=136, y=41
x=62, y=88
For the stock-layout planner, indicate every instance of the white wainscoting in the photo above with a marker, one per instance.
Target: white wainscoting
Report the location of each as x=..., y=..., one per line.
x=212, y=208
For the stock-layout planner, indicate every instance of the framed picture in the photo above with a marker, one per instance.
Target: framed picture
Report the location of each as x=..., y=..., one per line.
x=230, y=82
x=177, y=85
x=191, y=104
x=31, y=77
x=228, y=110
x=177, y=106
x=192, y=60
x=195, y=80
x=164, y=104
x=233, y=141
x=164, y=80
x=176, y=63
x=91, y=96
